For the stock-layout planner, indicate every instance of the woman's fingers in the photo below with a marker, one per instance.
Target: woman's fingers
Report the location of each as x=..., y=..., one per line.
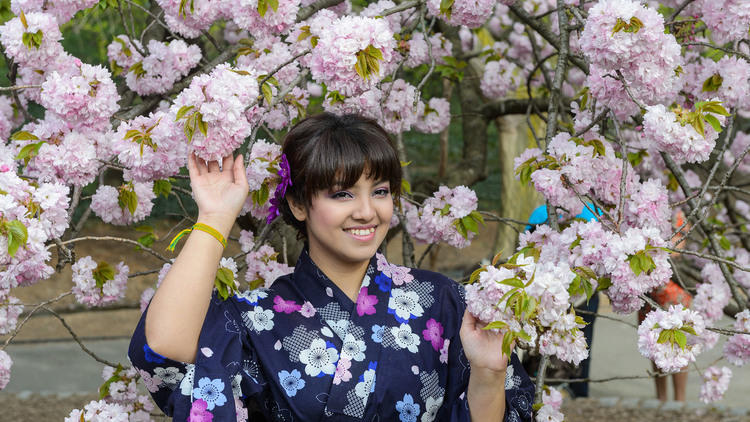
x=213, y=166
x=192, y=166
x=240, y=177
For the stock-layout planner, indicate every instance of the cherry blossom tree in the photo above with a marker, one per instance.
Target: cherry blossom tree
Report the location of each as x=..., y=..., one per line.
x=637, y=109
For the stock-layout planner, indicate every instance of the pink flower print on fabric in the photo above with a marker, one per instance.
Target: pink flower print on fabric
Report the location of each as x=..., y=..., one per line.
x=342, y=371
x=366, y=303
x=434, y=334
x=285, y=306
x=444, y=351
x=307, y=310
x=398, y=274
x=152, y=383
x=199, y=412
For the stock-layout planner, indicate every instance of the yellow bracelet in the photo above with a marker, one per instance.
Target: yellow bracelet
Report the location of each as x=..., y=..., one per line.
x=198, y=226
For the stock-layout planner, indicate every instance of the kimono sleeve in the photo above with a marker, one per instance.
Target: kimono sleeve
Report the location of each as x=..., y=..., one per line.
x=202, y=389
x=519, y=390
x=456, y=407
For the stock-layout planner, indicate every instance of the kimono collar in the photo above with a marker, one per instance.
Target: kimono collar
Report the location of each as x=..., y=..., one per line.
x=315, y=284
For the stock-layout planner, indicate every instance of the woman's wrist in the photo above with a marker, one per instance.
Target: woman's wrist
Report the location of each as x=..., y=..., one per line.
x=221, y=223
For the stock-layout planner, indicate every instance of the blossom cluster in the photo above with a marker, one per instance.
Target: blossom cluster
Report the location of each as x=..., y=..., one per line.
x=420, y=51
x=111, y=204
x=86, y=97
x=63, y=10
x=156, y=73
x=680, y=139
x=441, y=216
x=470, y=13
x=335, y=59
x=246, y=16
x=502, y=296
x=263, y=267
x=727, y=19
x=98, y=284
x=39, y=210
x=551, y=404
x=667, y=337
x=713, y=294
x=433, y=117
x=737, y=347
x=212, y=111
x=147, y=147
x=499, y=78
x=715, y=383
x=190, y=18
x=10, y=309
x=626, y=37
x=5, y=364
x=121, y=402
x=38, y=53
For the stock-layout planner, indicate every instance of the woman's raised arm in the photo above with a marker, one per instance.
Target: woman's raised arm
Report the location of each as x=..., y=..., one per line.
x=176, y=313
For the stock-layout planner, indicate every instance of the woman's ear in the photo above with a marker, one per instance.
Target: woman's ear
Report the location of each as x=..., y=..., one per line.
x=299, y=212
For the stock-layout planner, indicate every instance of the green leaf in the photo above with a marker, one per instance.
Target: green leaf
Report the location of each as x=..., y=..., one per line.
x=459, y=225
x=446, y=7
x=262, y=7
x=513, y=282
x=477, y=216
x=29, y=151
x=23, y=135
x=499, y=325
x=688, y=329
x=470, y=224
x=267, y=93
x=666, y=336
x=182, y=111
x=17, y=235
x=224, y=282
x=681, y=339
x=104, y=388
x=604, y=283
x=24, y=22
x=147, y=239
x=405, y=186
x=713, y=121
x=103, y=273
x=201, y=124
x=127, y=199
x=588, y=288
x=725, y=243
x=713, y=83
x=475, y=275
x=162, y=187
x=507, y=341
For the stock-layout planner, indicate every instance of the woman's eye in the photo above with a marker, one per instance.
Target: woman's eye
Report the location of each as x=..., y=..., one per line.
x=341, y=195
x=382, y=192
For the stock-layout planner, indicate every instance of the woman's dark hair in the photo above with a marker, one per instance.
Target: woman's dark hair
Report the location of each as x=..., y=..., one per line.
x=327, y=150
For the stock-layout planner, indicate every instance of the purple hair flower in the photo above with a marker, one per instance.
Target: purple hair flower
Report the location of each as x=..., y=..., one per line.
x=285, y=173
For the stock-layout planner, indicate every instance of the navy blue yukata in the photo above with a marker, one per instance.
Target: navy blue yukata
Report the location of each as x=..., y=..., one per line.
x=301, y=350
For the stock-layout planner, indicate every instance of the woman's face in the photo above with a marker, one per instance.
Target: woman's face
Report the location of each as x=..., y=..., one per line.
x=346, y=226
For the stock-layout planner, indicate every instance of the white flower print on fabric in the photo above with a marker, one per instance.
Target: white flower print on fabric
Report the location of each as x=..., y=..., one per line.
x=353, y=349
x=291, y=382
x=511, y=380
x=405, y=305
x=366, y=384
x=405, y=339
x=186, y=385
x=258, y=319
x=342, y=371
x=210, y=390
x=170, y=376
x=321, y=357
x=252, y=296
x=408, y=411
x=237, y=385
x=431, y=407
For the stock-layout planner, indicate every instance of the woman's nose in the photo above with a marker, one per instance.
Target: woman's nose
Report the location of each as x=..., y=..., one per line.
x=365, y=209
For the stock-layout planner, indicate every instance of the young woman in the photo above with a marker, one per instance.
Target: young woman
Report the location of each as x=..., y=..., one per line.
x=347, y=336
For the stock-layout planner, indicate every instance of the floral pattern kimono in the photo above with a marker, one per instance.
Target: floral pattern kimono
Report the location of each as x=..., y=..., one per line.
x=303, y=351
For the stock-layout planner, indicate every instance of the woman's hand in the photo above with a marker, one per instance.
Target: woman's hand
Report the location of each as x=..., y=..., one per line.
x=219, y=193
x=483, y=348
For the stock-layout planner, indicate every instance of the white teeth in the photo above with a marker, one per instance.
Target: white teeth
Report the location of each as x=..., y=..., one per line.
x=362, y=232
